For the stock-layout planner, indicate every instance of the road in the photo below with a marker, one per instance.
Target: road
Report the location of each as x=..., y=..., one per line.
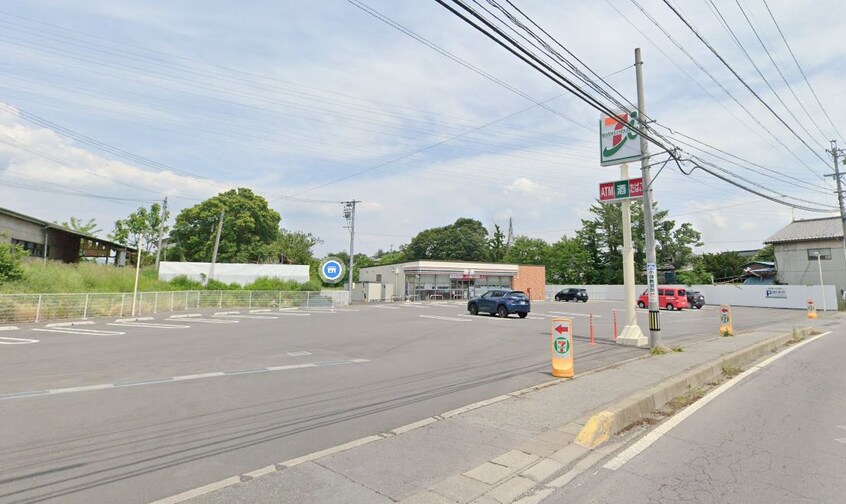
x=142, y=410
x=778, y=436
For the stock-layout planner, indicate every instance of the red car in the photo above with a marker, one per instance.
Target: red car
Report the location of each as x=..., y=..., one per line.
x=671, y=298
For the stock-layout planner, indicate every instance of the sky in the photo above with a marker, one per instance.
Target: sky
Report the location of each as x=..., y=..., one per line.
x=108, y=105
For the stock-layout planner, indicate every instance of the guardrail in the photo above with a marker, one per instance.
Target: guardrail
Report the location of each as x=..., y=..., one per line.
x=39, y=307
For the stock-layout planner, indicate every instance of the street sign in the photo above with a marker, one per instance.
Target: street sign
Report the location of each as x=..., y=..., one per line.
x=561, y=334
x=726, y=328
x=331, y=270
x=617, y=142
x=652, y=282
x=620, y=190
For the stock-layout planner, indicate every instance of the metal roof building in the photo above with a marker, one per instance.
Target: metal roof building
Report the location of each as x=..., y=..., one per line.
x=810, y=252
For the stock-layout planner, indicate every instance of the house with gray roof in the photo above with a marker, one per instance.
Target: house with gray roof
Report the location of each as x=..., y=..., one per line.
x=803, y=247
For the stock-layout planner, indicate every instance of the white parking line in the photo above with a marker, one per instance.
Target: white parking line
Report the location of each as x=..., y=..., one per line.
x=294, y=314
x=88, y=332
x=16, y=341
x=149, y=325
x=210, y=321
x=382, y=307
x=253, y=317
x=571, y=314
x=438, y=317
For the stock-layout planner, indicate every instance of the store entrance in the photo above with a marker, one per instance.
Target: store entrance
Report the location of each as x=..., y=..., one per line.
x=462, y=289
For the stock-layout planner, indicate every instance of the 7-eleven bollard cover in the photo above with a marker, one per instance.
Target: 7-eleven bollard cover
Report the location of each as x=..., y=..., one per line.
x=561, y=333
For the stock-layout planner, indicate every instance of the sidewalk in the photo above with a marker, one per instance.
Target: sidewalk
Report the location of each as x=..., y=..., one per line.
x=496, y=451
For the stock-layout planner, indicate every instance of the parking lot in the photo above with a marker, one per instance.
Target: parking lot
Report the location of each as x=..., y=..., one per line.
x=136, y=410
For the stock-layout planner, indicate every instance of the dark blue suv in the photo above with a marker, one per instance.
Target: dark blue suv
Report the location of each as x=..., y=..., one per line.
x=502, y=302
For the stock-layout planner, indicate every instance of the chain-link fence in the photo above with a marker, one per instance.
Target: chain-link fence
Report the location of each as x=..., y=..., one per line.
x=41, y=307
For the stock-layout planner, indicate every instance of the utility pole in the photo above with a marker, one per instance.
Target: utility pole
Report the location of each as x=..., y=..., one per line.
x=349, y=214
x=161, y=234
x=648, y=223
x=835, y=156
x=216, y=243
x=137, y=272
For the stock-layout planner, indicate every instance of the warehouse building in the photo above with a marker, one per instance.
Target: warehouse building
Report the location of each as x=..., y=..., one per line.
x=441, y=280
x=50, y=241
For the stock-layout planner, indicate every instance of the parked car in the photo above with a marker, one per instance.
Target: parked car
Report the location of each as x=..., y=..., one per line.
x=572, y=295
x=695, y=299
x=671, y=298
x=501, y=302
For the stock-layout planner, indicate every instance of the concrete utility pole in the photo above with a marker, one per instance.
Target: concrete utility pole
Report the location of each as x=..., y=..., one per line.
x=161, y=233
x=216, y=243
x=137, y=272
x=631, y=333
x=648, y=224
x=835, y=156
x=349, y=214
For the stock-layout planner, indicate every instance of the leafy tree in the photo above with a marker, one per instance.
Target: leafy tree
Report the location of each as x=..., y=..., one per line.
x=88, y=228
x=394, y=257
x=723, y=265
x=465, y=240
x=497, y=245
x=361, y=261
x=765, y=254
x=250, y=228
x=603, y=237
x=697, y=275
x=527, y=250
x=294, y=247
x=11, y=262
x=141, y=228
x=568, y=262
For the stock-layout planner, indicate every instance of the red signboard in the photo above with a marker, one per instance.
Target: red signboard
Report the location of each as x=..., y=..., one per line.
x=636, y=188
x=606, y=191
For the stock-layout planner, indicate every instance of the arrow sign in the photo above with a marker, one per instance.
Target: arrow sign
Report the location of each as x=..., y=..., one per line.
x=561, y=329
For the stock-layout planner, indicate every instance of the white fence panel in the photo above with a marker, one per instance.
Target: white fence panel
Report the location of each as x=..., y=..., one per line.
x=40, y=307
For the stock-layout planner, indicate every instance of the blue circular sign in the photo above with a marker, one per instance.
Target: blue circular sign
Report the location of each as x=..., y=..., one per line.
x=331, y=270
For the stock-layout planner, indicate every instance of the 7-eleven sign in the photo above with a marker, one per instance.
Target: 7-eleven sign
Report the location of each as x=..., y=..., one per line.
x=618, y=143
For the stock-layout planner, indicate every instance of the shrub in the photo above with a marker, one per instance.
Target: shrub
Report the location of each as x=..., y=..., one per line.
x=276, y=284
x=182, y=282
x=11, y=262
x=218, y=285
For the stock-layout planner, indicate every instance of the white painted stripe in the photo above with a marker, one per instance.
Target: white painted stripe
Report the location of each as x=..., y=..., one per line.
x=573, y=314
x=154, y=326
x=89, y=332
x=9, y=328
x=331, y=451
x=68, y=324
x=260, y=310
x=646, y=441
x=289, y=308
x=16, y=341
x=294, y=314
x=249, y=317
x=414, y=425
x=476, y=405
x=227, y=312
x=438, y=317
x=186, y=315
x=261, y=472
x=134, y=319
x=291, y=366
x=381, y=307
x=299, y=353
x=190, y=494
x=199, y=376
x=213, y=321
x=84, y=388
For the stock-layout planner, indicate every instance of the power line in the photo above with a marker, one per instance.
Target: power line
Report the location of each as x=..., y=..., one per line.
x=805, y=77
x=745, y=84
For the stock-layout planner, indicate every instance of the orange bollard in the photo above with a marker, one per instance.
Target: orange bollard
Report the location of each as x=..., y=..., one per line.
x=614, y=312
x=591, y=329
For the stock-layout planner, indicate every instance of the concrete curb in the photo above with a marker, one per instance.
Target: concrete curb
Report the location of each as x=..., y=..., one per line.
x=133, y=319
x=8, y=328
x=599, y=427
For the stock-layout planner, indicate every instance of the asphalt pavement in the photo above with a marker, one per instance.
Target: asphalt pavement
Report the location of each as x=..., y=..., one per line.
x=778, y=436
x=135, y=411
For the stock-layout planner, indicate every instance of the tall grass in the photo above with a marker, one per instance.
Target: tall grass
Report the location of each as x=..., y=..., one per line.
x=56, y=277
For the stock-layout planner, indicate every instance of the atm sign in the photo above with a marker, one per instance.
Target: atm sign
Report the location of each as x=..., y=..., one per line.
x=621, y=190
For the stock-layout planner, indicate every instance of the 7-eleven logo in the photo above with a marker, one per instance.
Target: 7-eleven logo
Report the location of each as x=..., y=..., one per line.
x=619, y=128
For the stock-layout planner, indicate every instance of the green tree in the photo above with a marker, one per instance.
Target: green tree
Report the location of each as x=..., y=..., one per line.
x=497, y=245
x=698, y=274
x=250, y=228
x=568, y=262
x=465, y=240
x=295, y=247
x=140, y=228
x=527, y=250
x=361, y=261
x=396, y=256
x=723, y=265
x=88, y=228
x=765, y=254
x=11, y=262
x=603, y=237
